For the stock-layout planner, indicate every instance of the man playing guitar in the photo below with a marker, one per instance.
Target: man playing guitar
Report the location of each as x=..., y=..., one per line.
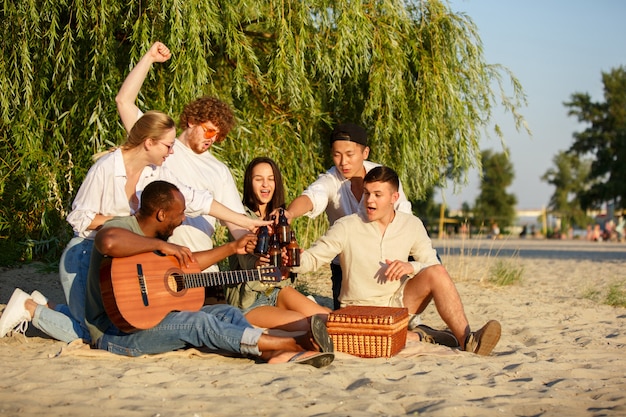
x=216, y=327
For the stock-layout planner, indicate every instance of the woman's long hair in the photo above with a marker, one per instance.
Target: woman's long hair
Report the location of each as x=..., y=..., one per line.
x=249, y=199
x=153, y=124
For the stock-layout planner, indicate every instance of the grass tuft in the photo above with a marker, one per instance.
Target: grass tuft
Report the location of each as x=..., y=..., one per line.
x=505, y=272
x=613, y=295
x=491, y=268
x=616, y=295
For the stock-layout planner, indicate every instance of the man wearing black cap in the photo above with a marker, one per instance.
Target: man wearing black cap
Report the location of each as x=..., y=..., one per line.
x=338, y=191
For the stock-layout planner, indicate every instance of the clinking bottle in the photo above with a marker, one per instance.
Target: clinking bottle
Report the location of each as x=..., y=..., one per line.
x=275, y=255
x=293, y=251
x=283, y=230
x=263, y=242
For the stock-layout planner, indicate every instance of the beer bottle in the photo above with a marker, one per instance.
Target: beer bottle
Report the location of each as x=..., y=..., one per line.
x=276, y=258
x=282, y=228
x=293, y=251
x=263, y=241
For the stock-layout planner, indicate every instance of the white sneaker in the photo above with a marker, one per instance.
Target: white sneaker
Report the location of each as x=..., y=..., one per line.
x=39, y=298
x=15, y=316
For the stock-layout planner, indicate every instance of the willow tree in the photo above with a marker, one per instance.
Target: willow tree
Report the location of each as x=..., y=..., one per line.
x=412, y=72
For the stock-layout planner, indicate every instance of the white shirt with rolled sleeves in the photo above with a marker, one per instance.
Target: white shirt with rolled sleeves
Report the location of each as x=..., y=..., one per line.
x=363, y=249
x=203, y=172
x=331, y=192
x=103, y=192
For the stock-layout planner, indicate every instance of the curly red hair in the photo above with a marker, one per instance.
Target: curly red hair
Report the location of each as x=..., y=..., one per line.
x=207, y=109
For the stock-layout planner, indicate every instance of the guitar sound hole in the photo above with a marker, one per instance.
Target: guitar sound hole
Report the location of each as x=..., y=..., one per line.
x=176, y=282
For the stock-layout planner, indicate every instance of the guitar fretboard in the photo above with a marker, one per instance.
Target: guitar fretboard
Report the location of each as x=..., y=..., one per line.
x=211, y=279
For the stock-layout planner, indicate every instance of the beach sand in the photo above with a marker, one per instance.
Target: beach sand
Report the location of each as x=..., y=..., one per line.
x=562, y=352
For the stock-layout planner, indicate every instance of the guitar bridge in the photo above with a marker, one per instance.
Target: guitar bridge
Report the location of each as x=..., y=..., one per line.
x=142, y=285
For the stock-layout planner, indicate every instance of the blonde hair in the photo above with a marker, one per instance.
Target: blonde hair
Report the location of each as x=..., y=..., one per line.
x=152, y=125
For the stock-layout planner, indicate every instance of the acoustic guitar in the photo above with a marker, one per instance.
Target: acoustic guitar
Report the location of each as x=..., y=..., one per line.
x=139, y=291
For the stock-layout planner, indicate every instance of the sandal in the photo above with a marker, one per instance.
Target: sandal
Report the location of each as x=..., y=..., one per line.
x=320, y=335
x=317, y=360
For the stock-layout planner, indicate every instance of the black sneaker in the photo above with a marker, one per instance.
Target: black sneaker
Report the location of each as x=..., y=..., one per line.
x=439, y=337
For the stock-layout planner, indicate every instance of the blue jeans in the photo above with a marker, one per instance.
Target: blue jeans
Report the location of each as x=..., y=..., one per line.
x=262, y=299
x=73, y=271
x=216, y=327
x=60, y=324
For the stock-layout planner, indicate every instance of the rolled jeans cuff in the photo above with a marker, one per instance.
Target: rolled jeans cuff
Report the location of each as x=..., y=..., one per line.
x=250, y=341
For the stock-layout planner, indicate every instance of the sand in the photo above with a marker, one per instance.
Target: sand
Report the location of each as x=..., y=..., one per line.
x=562, y=352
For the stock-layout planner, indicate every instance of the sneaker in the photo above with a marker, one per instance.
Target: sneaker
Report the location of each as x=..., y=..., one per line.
x=39, y=298
x=440, y=337
x=424, y=337
x=15, y=316
x=483, y=341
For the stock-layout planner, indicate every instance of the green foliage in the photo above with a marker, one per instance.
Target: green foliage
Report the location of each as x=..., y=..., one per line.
x=494, y=203
x=426, y=208
x=604, y=140
x=616, y=295
x=412, y=73
x=505, y=272
x=569, y=178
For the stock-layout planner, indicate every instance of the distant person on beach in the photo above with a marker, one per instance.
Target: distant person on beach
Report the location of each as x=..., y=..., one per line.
x=338, y=191
x=524, y=231
x=216, y=327
x=495, y=231
x=373, y=246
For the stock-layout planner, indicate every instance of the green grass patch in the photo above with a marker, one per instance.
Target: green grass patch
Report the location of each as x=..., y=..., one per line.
x=616, y=295
x=505, y=272
x=613, y=294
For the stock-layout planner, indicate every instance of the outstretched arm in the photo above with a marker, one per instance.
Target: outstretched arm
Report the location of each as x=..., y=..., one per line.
x=129, y=90
x=210, y=257
x=225, y=214
x=302, y=204
x=118, y=242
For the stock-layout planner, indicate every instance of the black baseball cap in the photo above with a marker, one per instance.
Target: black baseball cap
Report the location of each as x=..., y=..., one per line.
x=350, y=132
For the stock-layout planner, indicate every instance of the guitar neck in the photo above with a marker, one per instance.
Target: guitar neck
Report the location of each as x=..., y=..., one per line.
x=212, y=279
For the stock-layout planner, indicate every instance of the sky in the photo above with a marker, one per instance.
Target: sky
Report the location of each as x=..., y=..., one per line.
x=555, y=48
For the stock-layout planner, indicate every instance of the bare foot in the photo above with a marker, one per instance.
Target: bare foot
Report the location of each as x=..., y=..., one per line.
x=411, y=336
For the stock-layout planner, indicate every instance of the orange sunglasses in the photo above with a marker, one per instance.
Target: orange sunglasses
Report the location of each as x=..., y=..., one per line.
x=208, y=132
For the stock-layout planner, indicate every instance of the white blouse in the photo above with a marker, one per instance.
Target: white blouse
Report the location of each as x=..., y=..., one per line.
x=103, y=192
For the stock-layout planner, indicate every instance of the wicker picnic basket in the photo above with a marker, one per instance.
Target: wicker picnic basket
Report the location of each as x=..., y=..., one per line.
x=368, y=331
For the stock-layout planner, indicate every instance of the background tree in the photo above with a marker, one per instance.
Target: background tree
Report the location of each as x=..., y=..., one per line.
x=569, y=178
x=413, y=73
x=604, y=141
x=493, y=203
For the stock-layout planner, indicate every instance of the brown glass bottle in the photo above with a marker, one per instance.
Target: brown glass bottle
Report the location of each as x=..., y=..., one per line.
x=293, y=251
x=276, y=258
x=283, y=230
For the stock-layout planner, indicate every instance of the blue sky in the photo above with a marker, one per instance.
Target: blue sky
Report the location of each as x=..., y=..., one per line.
x=555, y=48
